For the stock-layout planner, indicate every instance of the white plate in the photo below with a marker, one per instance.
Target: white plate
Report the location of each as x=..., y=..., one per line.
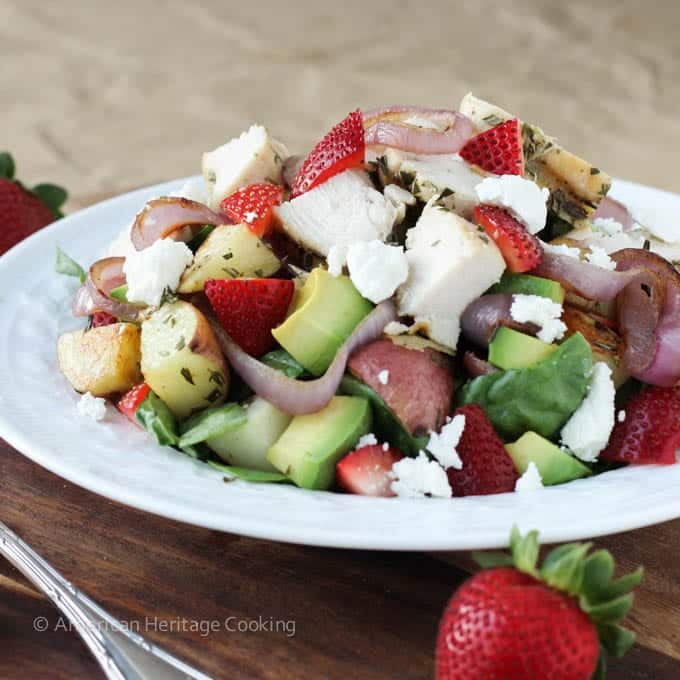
x=38, y=416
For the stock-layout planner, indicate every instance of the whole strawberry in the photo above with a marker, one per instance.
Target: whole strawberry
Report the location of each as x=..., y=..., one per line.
x=516, y=621
x=24, y=211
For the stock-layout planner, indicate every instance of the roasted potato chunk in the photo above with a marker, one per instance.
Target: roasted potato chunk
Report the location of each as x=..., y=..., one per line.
x=102, y=360
x=181, y=359
x=230, y=252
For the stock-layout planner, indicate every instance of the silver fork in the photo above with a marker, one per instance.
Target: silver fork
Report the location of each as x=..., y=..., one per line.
x=122, y=654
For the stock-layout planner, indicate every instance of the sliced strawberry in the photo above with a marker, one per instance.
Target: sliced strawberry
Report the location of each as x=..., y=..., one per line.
x=498, y=150
x=342, y=148
x=521, y=250
x=253, y=205
x=650, y=432
x=103, y=319
x=249, y=309
x=366, y=471
x=487, y=467
x=131, y=401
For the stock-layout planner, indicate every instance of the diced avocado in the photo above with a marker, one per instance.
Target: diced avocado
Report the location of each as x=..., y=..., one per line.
x=554, y=465
x=540, y=398
x=526, y=284
x=247, y=446
x=325, y=312
x=312, y=444
x=512, y=349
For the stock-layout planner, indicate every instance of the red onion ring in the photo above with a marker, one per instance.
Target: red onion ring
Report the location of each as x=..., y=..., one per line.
x=93, y=295
x=476, y=366
x=387, y=127
x=611, y=208
x=298, y=396
x=664, y=369
x=583, y=278
x=168, y=216
x=483, y=316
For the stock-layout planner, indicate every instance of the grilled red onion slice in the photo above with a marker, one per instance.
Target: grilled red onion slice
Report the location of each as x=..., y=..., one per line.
x=648, y=315
x=298, y=396
x=171, y=217
x=476, y=366
x=583, y=278
x=664, y=369
x=484, y=315
x=388, y=127
x=93, y=295
x=611, y=208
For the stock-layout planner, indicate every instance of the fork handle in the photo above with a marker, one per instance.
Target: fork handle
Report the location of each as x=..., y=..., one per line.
x=122, y=654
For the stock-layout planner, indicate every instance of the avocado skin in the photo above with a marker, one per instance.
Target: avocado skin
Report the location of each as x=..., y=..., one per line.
x=311, y=446
x=526, y=284
x=554, y=465
x=512, y=349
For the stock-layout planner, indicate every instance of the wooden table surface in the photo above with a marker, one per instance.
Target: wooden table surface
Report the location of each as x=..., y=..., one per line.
x=335, y=613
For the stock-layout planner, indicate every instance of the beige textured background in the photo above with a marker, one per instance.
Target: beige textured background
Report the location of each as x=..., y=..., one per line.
x=104, y=96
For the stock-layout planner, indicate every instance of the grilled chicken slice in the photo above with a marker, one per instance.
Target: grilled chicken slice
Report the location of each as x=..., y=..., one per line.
x=450, y=264
x=341, y=211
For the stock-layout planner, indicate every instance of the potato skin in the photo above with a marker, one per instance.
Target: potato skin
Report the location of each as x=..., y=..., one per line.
x=230, y=251
x=103, y=360
x=419, y=388
x=182, y=360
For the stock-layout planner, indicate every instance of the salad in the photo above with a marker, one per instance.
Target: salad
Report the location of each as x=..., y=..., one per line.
x=432, y=303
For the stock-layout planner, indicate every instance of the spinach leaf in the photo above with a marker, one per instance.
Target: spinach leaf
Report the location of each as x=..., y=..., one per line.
x=68, y=266
x=197, y=451
x=248, y=475
x=386, y=425
x=157, y=419
x=284, y=362
x=119, y=293
x=212, y=422
x=198, y=239
x=540, y=398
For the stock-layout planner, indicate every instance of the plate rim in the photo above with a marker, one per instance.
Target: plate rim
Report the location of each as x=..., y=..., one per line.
x=316, y=536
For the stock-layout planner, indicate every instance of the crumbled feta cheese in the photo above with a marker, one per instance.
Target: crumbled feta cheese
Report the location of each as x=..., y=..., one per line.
x=607, y=225
x=367, y=440
x=384, y=377
x=396, y=194
x=522, y=197
x=541, y=311
x=122, y=245
x=587, y=431
x=93, y=407
x=152, y=271
x=598, y=256
x=443, y=445
x=376, y=269
x=395, y=328
x=621, y=417
x=252, y=157
x=561, y=249
x=337, y=257
x=386, y=446
x=418, y=477
x=530, y=480
x=250, y=217
x=194, y=189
